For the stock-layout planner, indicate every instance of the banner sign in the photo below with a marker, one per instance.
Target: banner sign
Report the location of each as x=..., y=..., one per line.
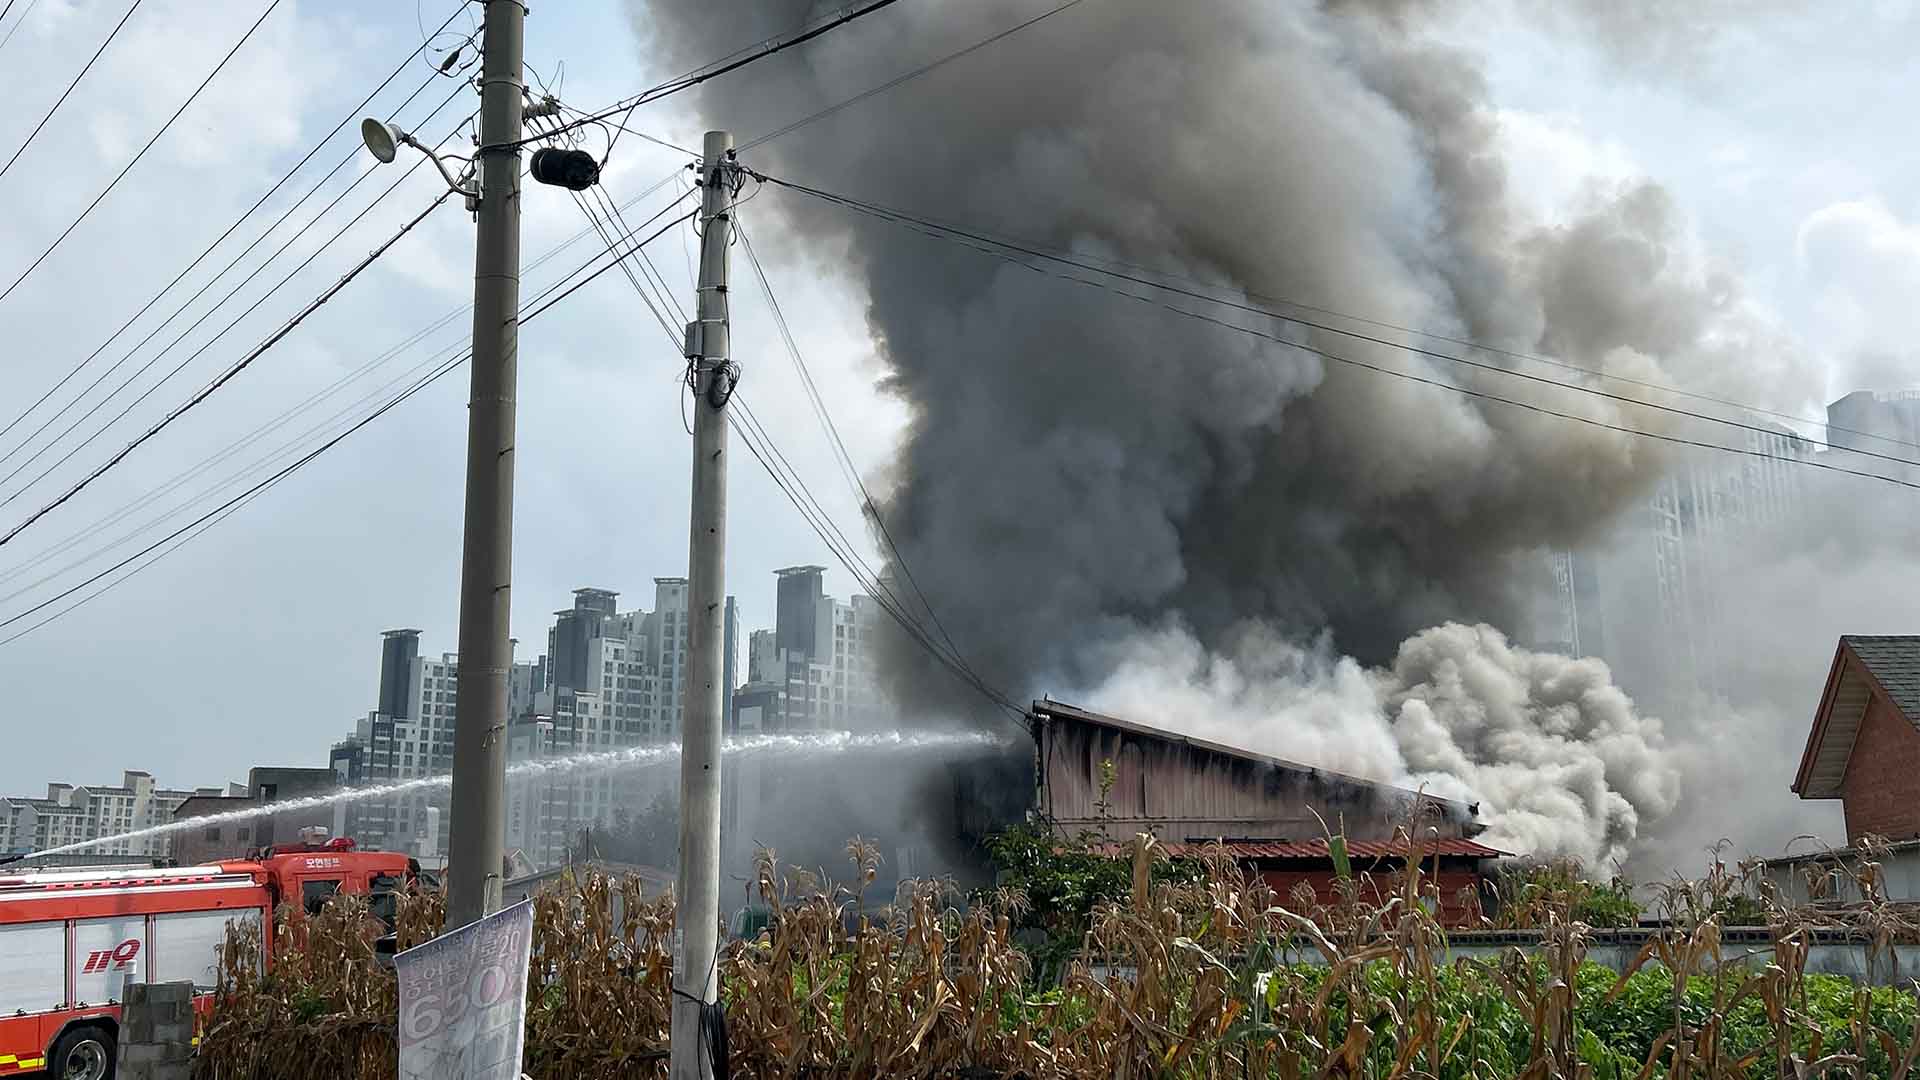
x=463, y=1000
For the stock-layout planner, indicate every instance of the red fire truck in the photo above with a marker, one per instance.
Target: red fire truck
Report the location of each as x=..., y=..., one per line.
x=69, y=940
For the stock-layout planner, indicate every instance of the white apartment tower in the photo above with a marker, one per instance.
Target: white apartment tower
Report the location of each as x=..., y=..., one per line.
x=71, y=814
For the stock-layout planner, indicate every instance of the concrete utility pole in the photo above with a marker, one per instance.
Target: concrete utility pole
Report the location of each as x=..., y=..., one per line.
x=696, y=969
x=477, y=839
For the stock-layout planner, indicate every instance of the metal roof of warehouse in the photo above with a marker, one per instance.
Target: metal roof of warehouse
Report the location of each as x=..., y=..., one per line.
x=1317, y=849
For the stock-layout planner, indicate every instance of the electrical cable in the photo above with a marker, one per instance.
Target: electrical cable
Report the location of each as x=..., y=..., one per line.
x=907, y=77
x=770, y=47
x=590, y=278
x=857, y=485
x=1496, y=350
x=18, y=23
x=62, y=100
x=761, y=446
x=939, y=231
x=224, y=509
x=115, y=182
x=278, y=184
x=213, y=516
x=292, y=448
x=204, y=316
x=654, y=139
x=606, y=233
x=1103, y=265
x=235, y=369
x=787, y=478
x=93, y=529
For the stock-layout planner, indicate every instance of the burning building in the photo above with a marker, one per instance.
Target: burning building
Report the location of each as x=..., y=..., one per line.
x=1117, y=778
x=1114, y=778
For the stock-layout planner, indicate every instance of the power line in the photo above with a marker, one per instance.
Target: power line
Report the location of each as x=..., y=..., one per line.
x=940, y=231
x=770, y=47
x=290, y=448
x=221, y=511
x=1055, y=256
x=62, y=100
x=852, y=474
x=589, y=279
x=620, y=125
x=760, y=443
x=1103, y=265
x=115, y=182
x=289, y=175
x=93, y=529
x=1496, y=350
x=607, y=235
x=237, y=368
x=907, y=77
x=17, y=23
x=204, y=316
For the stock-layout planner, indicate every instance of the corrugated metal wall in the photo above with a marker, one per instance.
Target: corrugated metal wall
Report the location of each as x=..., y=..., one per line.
x=1179, y=790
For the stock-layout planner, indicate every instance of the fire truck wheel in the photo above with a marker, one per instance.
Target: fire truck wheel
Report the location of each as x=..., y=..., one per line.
x=83, y=1053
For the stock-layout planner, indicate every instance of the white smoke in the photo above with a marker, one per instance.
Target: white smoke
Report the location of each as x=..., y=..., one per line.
x=1263, y=693
x=1557, y=756
x=1563, y=763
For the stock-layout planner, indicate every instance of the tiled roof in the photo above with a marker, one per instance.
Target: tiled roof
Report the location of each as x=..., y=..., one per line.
x=1317, y=849
x=1894, y=662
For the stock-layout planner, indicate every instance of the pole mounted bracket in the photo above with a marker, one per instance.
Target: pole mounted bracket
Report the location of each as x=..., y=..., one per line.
x=706, y=339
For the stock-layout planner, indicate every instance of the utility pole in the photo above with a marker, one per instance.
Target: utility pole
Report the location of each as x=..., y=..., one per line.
x=696, y=967
x=477, y=839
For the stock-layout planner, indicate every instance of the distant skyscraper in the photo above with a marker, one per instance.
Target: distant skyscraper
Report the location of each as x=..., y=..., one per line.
x=797, y=597
x=1653, y=603
x=1880, y=422
x=818, y=661
x=398, y=650
x=729, y=665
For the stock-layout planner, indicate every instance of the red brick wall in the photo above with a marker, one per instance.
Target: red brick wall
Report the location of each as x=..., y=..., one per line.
x=1881, y=792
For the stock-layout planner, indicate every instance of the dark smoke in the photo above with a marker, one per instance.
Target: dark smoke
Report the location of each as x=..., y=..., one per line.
x=1081, y=467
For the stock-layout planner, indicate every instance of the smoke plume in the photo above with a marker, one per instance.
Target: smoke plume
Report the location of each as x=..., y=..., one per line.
x=1098, y=493
x=1556, y=754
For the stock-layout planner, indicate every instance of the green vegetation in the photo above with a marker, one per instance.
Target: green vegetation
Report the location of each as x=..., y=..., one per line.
x=1528, y=894
x=1193, y=972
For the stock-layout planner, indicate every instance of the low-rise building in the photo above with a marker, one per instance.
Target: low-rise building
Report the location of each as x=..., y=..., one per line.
x=72, y=814
x=1118, y=778
x=229, y=837
x=1864, y=747
x=1864, y=750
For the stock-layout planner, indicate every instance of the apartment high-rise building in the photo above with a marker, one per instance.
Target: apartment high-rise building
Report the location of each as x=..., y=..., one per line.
x=1877, y=421
x=398, y=651
x=797, y=597
x=71, y=814
x=816, y=668
x=1653, y=603
x=609, y=680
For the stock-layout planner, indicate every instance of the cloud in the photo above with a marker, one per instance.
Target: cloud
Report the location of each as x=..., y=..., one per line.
x=1861, y=261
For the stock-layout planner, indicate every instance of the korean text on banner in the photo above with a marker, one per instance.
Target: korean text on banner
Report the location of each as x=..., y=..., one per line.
x=463, y=1000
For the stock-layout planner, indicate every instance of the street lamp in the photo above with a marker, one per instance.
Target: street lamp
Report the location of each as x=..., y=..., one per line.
x=384, y=141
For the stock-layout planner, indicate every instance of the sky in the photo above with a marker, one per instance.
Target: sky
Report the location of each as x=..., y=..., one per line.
x=1778, y=130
